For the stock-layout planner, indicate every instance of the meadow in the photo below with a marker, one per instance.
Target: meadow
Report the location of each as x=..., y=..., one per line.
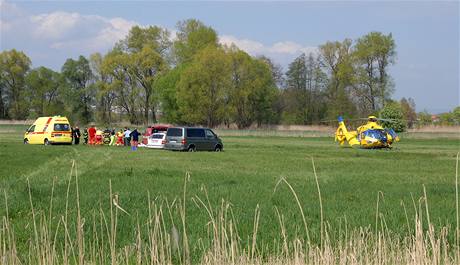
x=263, y=194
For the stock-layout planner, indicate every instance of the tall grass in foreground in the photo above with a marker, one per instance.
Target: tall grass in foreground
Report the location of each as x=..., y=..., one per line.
x=161, y=240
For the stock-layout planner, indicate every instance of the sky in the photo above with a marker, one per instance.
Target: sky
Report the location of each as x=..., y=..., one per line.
x=426, y=33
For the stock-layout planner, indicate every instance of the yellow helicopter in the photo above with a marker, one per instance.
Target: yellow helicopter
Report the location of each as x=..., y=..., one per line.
x=370, y=135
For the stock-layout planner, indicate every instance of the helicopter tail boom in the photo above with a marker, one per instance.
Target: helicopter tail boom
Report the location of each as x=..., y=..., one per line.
x=342, y=134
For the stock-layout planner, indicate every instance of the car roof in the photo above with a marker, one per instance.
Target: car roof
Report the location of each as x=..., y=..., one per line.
x=185, y=127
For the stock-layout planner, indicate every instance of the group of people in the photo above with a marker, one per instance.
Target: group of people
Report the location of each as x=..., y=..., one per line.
x=111, y=137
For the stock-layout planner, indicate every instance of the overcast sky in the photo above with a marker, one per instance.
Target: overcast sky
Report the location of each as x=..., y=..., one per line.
x=426, y=33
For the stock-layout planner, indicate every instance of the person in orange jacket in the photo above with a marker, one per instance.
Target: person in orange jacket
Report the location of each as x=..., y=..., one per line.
x=92, y=135
x=120, y=139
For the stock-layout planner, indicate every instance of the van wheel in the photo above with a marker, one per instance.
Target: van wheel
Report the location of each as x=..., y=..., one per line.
x=218, y=148
x=26, y=141
x=47, y=142
x=191, y=148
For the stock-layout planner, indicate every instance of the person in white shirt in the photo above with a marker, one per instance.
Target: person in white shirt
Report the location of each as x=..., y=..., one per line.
x=127, y=137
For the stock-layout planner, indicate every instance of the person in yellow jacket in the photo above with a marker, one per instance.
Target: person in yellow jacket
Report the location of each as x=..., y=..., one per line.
x=112, y=137
x=120, y=137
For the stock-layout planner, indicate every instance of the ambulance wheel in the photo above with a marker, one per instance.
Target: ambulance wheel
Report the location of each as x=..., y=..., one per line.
x=26, y=141
x=47, y=142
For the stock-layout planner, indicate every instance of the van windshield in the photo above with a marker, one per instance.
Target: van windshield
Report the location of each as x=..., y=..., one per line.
x=61, y=127
x=174, y=132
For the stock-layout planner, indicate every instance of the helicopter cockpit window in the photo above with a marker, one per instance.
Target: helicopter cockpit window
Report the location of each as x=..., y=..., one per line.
x=376, y=134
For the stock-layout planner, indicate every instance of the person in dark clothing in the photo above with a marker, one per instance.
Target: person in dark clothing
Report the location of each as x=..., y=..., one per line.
x=106, y=134
x=135, y=139
x=76, y=135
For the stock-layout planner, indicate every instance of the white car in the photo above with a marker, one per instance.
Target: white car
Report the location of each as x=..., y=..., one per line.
x=156, y=140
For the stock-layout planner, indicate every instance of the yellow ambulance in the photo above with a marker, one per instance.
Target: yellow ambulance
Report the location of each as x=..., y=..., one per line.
x=49, y=130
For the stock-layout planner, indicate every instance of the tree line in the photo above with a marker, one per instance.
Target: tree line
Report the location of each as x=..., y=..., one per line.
x=149, y=77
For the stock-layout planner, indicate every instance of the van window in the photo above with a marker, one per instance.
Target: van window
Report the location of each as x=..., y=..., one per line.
x=61, y=127
x=195, y=133
x=174, y=132
x=31, y=129
x=210, y=134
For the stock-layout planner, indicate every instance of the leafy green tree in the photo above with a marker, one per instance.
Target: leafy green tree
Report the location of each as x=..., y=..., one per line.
x=203, y=87
x=304, y=95
x=105, y=94
x=394, y=113
x=279, y=79
x=192, y=36
x=147, y=66
x=456, y=115
x=43, y=92
x=168, y=85
x=252, y=92
x=14, y=66
x=424, y=118
x=144, y=50
x=78, y=88
x=372, y=55
x=298, y=97
x=264, y=93
x=117, y=66
x=158, y=39
x=408, y=108
x=446, y=119
x=336, y=58
x=275, y=69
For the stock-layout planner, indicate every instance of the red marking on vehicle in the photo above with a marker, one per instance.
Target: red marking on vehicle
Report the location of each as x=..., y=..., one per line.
x=46, y=125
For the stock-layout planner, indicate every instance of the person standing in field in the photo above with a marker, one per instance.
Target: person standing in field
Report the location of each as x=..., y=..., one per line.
x=127, y=137
x=135, y=137
x=99, y=137
x=76, y=135
x=92, y=135
x=85, y=136
x=120, y=138
x=112, y=137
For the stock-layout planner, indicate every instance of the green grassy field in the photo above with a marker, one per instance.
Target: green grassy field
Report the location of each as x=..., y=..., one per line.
x=245, y=175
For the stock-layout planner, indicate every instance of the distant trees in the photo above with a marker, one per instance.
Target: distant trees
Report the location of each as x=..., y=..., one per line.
x=133, y=66
x=193, y=79
x=78, y=89
x=393, y=113
x=43, y=93
x=305, y=94
x=202, y=88
x=336, y=57
x=191, y=37
x=372, y=54
x=14, y=66
x=408, y=110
